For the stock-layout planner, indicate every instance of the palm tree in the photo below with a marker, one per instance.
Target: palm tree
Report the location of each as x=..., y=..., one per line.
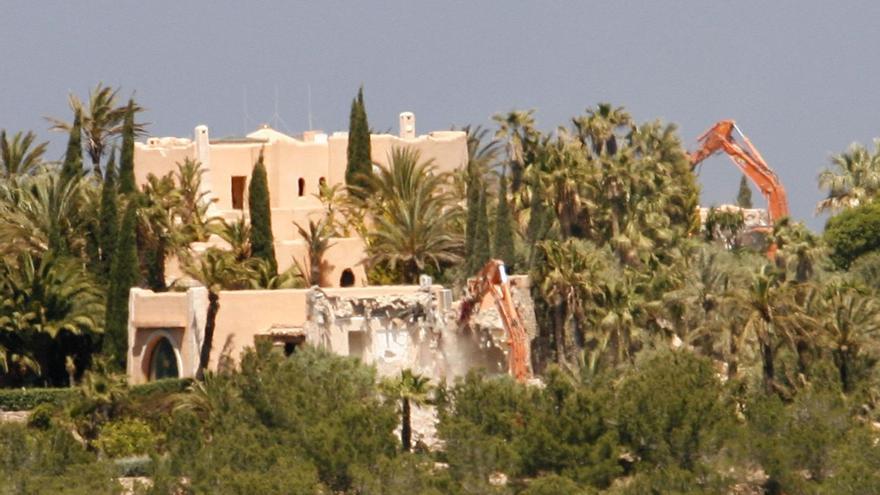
x=192, y=210
x=237, y=234
x=258, y=274
x=412, y=214
x=570, y=281
x=724, y=226
x=207, y=397
x=157, y=227
x=44, y=213
x=565, y=177
x=410, y=389
x=601, y=126
x=101, y=120
x=797, y=248
x=317, y=238
x=471, y=181
x=853, y=180
x=704, y=306
x=19, y=156
x=333, y=199
x=51, y=308
x=620, y=317
x=215, y=270
x=774, y=319
x=849, y=325
x=517, y=128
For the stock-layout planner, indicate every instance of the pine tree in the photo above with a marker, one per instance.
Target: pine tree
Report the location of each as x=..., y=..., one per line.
x=473, y=204
x=744, y=197
x=482, y=253
x=262, y=242
x=502, y=246
x=126, y=156
x=73, y=166
x=124, y=274
x=108, y=216
x=360, y=163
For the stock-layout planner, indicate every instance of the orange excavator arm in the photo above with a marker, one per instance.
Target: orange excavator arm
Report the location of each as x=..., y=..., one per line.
x=492, y=280
x=748, y=160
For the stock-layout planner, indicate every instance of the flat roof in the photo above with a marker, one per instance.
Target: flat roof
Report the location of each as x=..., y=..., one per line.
x=238, y=140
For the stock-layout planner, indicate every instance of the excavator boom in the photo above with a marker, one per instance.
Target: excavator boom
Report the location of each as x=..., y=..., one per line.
x=719, y=138
x=492, y=280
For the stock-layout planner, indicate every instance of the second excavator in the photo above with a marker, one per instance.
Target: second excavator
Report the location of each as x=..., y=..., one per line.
x=719, y=138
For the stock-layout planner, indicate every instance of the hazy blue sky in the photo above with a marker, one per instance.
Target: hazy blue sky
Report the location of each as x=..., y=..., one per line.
x=800, y=77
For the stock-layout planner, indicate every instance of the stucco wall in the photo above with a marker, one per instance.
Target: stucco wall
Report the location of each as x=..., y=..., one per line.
x=344, y=253
x=153, y=316
x=180, y=317
x=288, y=159
x=244, y=314
x=160, y=158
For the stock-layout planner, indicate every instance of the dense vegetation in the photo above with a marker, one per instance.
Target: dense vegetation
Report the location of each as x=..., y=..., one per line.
x=673, y=356
x=664, y=424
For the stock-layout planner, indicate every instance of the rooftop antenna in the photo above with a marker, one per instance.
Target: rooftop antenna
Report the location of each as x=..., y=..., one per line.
x=276, y=116
x=309, y=86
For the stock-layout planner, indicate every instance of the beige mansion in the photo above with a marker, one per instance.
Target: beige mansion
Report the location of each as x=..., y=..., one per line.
x=296, y=166
x=165, y=330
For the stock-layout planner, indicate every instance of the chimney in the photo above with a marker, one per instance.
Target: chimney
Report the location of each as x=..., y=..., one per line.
x=203, y=155
x=407, y=125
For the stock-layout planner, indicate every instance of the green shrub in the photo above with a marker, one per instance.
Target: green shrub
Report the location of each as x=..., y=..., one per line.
x=160, y=387
x=21, y=399
x=670, y=410
x=50, y=461
x=125, y=438
x=852, y=233
x=555, y=485
x=41, y=416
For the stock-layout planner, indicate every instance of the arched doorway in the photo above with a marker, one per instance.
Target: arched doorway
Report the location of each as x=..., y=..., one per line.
x=347, y=278
x=163, y=361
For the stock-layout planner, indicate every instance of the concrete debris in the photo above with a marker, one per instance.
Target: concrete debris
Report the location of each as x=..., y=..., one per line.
x=417, y=330
x=498, y=479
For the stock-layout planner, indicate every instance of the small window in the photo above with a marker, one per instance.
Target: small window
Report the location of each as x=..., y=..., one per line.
x=163, y=361
x=238, y=183
x=347, y=278
x=322, y=182
x=301, y=183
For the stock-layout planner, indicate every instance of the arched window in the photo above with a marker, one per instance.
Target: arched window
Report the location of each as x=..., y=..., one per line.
x=347, y=278
x=163, y=361
x=302, y=186
x=322, y=182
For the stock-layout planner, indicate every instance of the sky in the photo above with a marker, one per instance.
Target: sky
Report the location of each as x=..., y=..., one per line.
x=800, y=77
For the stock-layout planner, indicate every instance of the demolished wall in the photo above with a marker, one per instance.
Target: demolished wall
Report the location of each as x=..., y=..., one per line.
x=419, y=331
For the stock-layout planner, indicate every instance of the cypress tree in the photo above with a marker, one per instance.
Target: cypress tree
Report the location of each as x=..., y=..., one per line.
x=127, y=183
x=262, y=242
x=482, y=253
x=124, y=274
x=744, y=196
x=73, y=156
x=536, y=230
x=360, y=163
x=473, y=205
x=502, y=246
x=108, y=216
